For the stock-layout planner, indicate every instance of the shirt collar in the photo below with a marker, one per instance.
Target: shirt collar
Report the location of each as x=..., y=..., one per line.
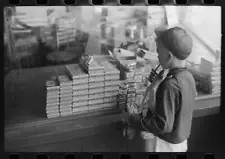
x=174, y=71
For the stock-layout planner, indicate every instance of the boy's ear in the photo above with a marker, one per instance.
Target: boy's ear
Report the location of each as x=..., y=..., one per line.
x=169, y=57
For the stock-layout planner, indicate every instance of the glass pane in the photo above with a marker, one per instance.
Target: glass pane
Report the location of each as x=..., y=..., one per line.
x=205, y=21
x=55, y=35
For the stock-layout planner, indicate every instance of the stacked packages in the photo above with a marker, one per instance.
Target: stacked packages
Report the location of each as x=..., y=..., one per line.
x=111, y=83
x=52, y=98
x=66, y=95
x=80, y=88
x=65, y=30
x=210, y=81
x=135, y=82
x=215, y=77
x=92, y=85
x=96, y=85
x=122, y=96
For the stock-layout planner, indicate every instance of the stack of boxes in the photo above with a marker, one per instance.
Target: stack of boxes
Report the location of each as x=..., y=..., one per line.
x=111, y=84
x=210, y=82
x=128, y=77
x=209, y=77
x=122, y=96
x=52, y=98
x=65, y=31
x=66, y=95
x=215, y=77
x=135, y=81
x=141, y=79
x=80, y=88
x=96, y=85
x=87, y=87
x=140, y=85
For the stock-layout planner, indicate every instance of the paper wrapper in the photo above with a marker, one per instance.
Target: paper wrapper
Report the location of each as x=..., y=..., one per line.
x=76, y=72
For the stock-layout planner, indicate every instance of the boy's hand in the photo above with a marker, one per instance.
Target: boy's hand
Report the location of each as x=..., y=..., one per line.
x=146, y=135
x=154, y=76
x=133, y=119
x=130, y=110
x=133, y=109
x=129, y=132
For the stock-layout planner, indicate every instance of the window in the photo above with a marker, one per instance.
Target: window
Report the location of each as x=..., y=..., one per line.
x=205, y=23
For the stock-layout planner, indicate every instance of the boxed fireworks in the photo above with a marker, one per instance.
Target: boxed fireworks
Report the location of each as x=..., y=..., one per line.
x=81, y=109
x=52, y=98
x=90, y=66
x=95, y=102
x=209, y=77
x=76, y=73
x=66, y=94
x=96, y=96
x=82, y=103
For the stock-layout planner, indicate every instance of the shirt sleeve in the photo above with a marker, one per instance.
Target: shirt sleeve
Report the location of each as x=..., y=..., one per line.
x=162, y=120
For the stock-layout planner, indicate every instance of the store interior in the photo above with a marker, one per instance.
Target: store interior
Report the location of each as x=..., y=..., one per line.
x=40, y=41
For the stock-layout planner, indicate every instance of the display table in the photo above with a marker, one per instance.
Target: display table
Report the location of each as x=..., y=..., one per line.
x=27, y=126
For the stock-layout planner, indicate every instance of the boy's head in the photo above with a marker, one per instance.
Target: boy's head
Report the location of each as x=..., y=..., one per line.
x=174, y=45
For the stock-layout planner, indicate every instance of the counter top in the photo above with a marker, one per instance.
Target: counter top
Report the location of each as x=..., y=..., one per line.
x=25, y=120
x=25, y=96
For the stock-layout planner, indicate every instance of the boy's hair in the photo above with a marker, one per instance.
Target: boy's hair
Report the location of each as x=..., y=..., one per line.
x=176, y=40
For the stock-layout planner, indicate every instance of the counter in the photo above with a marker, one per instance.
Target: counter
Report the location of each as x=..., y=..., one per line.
x=25, y=122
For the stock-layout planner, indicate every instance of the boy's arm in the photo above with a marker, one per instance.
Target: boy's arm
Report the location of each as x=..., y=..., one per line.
x=162, y=120
x=134, y=121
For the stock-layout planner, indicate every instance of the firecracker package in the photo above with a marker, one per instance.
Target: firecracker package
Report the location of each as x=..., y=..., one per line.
x=52, y=98
x=134, y=83
x=66, y=93
x=209, y=75
x=76, y=72
x=111, y=80
x=80, y=104
x=81, y=109
x=80, y=81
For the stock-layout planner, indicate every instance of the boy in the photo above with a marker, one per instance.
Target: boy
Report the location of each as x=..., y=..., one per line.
x=170, y=121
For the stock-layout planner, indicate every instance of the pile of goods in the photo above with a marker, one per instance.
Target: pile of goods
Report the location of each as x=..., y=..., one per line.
x=96, y=82
x=89, y=86
x=65, y=30
x=80, y=88
x=122, y=96
x=111, y=83
x=66, y=95
x=103, y=82
x=134, y=83
x=207, y=77
x=211, y=81
x=52, y=98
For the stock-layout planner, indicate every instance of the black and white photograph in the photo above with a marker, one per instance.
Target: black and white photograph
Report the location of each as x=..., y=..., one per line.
x=112, y=79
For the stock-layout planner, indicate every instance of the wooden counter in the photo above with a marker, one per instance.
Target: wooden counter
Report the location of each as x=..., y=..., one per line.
x=25, y=122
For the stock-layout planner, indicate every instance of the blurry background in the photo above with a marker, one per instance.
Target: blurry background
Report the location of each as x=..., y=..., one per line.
x=54, y=35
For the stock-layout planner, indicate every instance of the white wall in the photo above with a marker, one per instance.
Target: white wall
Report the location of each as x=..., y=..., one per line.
x=205, y=23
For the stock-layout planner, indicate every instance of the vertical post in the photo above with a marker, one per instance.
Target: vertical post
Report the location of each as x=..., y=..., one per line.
x=10, y=43
x=9, y=35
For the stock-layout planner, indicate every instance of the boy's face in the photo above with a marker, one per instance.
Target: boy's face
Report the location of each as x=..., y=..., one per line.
x=163, y=54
